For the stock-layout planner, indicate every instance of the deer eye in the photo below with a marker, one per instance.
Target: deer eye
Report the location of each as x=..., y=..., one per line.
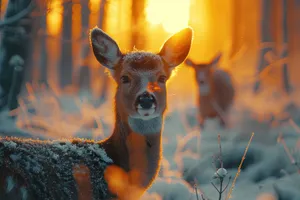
x=125, y=79
x=162, y=79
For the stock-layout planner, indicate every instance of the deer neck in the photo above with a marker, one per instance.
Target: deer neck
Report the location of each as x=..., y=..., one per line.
x=136, y=153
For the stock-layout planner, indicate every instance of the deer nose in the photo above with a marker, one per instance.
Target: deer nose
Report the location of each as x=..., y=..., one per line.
x=145, y=100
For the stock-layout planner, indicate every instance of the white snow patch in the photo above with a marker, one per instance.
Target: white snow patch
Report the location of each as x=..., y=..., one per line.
x=10, y=144
x=10, y=184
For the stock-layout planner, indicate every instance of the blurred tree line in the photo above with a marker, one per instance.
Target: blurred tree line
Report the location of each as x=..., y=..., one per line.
x=28, y=51
x=24, y=33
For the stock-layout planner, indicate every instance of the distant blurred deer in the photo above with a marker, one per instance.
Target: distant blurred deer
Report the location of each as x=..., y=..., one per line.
x=216, y=91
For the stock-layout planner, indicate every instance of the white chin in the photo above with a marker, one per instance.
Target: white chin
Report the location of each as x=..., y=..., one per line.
x=204, y=90
x=145, y=114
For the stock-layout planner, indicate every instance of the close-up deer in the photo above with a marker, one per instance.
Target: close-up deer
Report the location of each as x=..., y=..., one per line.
x=216, y=91
x=122, y=166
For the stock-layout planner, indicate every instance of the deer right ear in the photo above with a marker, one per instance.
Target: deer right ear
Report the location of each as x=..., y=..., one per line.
x=105, y=49
x=177, y=47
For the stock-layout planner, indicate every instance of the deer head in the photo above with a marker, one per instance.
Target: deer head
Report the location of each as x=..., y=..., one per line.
x=141, y=77
x=204, y=73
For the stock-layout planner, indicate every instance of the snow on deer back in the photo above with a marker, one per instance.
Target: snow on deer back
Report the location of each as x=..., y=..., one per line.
x=37, y=169
x=216, y=90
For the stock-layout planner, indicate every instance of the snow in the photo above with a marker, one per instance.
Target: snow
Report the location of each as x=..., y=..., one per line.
x=10, y=184
x=267, y=172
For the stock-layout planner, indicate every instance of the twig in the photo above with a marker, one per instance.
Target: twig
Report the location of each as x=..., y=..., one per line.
x=239, y=169
x=220, y=148
x=226, y=185
x=221, y=172
x=294, y=125
x=215, y=186
x=196, y=191
x=18, y=16
x=221, y=188
x=288, y=153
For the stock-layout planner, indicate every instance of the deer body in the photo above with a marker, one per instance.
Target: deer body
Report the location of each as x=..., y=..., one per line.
x=216, y=91
x=123, y=165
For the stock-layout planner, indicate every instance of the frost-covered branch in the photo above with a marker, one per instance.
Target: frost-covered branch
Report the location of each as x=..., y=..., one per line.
x=17, y=17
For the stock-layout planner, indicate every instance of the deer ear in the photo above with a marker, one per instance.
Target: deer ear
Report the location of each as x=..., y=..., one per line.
x=105, y=49
x=216, y=59
x=189, y=62
x=177, y=47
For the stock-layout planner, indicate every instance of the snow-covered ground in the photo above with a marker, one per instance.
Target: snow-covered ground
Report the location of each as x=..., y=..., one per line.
x=267, y=172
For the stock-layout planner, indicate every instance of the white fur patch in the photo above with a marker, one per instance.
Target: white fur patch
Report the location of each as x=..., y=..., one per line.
x=145, y=127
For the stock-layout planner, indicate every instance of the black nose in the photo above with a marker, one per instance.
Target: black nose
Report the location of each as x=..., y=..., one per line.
x=146, y=100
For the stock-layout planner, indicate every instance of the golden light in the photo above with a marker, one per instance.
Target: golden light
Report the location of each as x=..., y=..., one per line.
x=94, y=5
x=173, y=15
x=54, y=17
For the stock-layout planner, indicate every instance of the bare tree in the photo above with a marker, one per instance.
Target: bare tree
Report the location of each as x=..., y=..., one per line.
x=43, y=62
x=237, y=32
x=83, y=77
x=266, y=39
x=138, y=21
x=105, y=79
x=285, y=72
x=0, y=9
x=66, y=59
x=17, y=29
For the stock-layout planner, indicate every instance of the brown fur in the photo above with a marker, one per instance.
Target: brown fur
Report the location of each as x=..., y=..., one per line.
x=216, y=91
x=135, y=152
x=135, y=145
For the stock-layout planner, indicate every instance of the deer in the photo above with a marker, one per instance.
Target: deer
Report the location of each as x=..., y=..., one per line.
x=122, y=166
x=216, y=90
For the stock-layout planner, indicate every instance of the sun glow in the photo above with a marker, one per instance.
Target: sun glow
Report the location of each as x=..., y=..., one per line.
x=173, y=15
x=54, y=17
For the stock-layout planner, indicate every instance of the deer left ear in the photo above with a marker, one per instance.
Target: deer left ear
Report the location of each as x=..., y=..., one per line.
x=177, y=47
x=189, y=62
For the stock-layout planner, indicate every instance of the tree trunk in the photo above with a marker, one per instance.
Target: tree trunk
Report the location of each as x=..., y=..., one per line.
x=16, y=40
x=66, y=60
x=138, y=21
x=0, y=9
x=105, y=79
x=43, y=64
x=84, y=82
x=285, y=71
x=237, y=27
x=266, y=37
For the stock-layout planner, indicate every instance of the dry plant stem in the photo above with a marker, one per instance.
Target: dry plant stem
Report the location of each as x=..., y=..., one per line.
x=289, y=154
x=196, y=191
x=239, y=169
x=220, y=177
x=221, y=190
x=18, y=16
x=294, y=125
x=220, y=148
